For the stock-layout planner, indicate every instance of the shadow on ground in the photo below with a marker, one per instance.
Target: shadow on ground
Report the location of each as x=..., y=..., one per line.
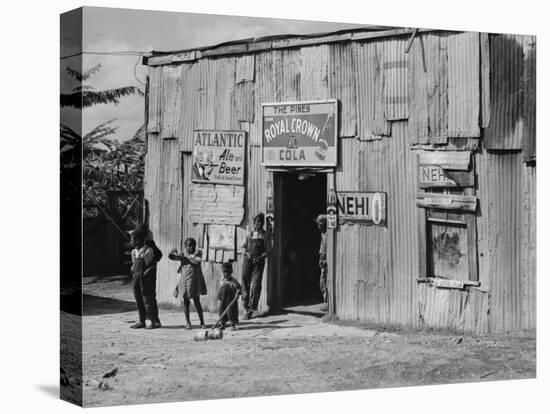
x=98, y=305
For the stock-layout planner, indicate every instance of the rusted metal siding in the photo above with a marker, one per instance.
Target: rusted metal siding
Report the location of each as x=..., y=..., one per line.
x=464, y=84
x=341, y=79
x=505, y=130
x=506, y=239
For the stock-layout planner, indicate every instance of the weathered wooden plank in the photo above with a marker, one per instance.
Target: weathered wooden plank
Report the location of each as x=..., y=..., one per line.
x=446, y=201
x=485, y=79
x=450, y=160
x=226, y=50
x=464, y=91
x=220, y=204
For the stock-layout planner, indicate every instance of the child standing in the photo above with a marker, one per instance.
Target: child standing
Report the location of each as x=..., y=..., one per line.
x=191, y=283
x=144, y=279
x=229, y=289
x=255, y=252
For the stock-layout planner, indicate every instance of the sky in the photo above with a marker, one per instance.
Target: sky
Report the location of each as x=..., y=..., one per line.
x=124, y=30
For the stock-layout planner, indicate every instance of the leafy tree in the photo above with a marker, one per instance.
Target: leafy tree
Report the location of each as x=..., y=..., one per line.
x=86, y=96
x=107, y=164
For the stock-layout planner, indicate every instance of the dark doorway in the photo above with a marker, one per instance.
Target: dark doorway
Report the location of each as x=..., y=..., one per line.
x=303, y=197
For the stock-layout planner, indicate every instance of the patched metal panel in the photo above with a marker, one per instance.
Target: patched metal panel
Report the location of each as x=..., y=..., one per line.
x=369, y=92
x=395, y=98
x=461, y=311
x=530, y=98
x=464, y=84
x=506, y=126
x=189, y=109
x=428, y=90
x=171, y=94
x=314, y=73
x=153, y=116
x=341, y=79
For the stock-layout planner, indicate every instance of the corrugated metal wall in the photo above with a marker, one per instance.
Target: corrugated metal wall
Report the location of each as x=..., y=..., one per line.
x=376, y=266
x=506, y=239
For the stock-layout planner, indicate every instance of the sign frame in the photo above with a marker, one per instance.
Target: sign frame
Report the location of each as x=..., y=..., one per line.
x=305, y=165
x=242, y=181
x=347, y=219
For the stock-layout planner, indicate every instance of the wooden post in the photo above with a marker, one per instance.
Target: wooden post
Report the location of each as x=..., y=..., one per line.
x=331, y=255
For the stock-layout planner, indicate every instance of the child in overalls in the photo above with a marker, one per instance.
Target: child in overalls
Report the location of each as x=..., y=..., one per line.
x=254, y=255
x=191, y=283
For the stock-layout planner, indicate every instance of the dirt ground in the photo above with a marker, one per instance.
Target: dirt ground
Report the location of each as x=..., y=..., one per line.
x=293, y=351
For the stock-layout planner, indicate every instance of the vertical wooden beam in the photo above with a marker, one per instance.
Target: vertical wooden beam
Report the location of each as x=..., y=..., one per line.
x=485, y=80
x=331, y=254
x=422, y=244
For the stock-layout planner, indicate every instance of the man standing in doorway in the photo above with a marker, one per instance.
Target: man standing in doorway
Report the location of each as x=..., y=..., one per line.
x=321, y=221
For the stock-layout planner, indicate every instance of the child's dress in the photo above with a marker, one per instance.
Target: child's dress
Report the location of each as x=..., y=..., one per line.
x=191, y=282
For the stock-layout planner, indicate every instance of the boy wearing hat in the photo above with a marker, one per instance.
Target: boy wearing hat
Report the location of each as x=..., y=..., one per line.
x=321, y=221
x=229, y=289
x=144, y=278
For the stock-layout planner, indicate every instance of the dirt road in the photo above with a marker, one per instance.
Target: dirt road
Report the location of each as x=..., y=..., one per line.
x=290, y=352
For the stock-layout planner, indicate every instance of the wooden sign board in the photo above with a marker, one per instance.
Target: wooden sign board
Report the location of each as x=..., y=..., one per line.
x=300, y=134
x=435, y=176
x=368, y=207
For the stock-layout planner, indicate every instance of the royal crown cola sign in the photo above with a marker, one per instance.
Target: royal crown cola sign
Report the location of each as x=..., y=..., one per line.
x=300, y=134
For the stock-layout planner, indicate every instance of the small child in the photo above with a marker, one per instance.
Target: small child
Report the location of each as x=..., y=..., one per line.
x=191, y=283
x=229, y=289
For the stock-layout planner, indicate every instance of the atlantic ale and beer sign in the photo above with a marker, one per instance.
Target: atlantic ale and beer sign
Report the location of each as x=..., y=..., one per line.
x=300, y=134
x=218, y=157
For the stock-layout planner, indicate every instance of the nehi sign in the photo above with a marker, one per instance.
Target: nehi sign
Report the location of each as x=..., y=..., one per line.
x=300, y=133
x=219, y=157
x=368, y=207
